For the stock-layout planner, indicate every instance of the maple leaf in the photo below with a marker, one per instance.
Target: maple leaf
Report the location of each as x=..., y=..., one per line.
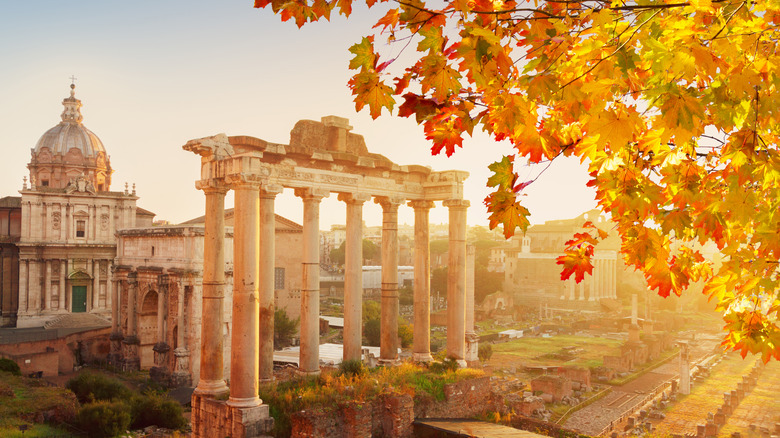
x=505, y=210
x=576, y=261
x=365, y=58
x=503, y=173
x=369, y=90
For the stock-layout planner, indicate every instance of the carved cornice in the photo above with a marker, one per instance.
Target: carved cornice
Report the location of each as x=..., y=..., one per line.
x=215, y=147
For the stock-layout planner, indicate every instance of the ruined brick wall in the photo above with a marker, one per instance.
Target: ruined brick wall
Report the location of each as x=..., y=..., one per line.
x=556, y=386
x=92, y=345
x=580, y=375
x=392, y=415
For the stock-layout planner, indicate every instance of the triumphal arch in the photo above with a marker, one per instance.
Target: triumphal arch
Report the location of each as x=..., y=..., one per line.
x=323, y=158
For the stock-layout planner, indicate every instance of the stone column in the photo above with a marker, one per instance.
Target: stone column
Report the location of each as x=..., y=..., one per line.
x=34, y=287
x=47, y=286
x=23, y=287
x=181, y=368
x=130, y=344
x=472, y=340
x=212, y=381
x=685, y=369
x=309, y=360
x=353, y=276
x=388, y=352
x=422, y=282
x=95, y=285
x=266, y=259
x=160, y=372
x=582, y=290
x=245, y=339
x=63, y=288
x=456, y=281
x=115, y=356
x=593, y=281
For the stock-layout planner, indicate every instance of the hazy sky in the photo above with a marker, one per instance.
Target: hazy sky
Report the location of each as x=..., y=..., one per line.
x=154, y=74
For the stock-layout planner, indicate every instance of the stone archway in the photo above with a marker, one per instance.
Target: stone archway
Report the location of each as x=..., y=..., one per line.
x=147, y=328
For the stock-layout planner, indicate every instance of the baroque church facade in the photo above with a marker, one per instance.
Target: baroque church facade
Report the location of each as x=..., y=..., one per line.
x=59, y=237
x=71, y=246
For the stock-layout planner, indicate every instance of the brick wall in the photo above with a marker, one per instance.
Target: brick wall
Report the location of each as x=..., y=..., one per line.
x=90, y=345
x=580, y=375
x=556, y=386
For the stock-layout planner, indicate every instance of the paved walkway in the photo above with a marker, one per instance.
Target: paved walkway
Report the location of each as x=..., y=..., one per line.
x=472, y=428
x=592, y=419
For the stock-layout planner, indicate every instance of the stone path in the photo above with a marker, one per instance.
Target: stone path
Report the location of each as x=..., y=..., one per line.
x=473, y=429
x=595, y=417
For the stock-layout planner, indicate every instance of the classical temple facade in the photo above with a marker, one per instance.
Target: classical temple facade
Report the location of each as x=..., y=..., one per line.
x=58, y=238
x=323, y=158
x=158, y=278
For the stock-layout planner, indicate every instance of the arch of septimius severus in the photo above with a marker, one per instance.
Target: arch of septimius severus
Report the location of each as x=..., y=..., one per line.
x=322, y=158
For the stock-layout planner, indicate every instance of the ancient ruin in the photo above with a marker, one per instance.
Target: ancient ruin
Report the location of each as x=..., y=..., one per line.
x=322, y=158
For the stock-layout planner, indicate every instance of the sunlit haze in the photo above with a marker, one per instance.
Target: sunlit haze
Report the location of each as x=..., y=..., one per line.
x=152, y=75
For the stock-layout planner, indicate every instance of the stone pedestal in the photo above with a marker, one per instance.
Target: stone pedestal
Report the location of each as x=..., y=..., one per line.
x=130, y=359
x=159, y=372
x=472, y=350
x=215, y=418
x=181, y=368
x=115, y=356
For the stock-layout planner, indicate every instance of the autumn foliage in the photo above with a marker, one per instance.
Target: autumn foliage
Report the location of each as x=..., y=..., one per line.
x=673, y=106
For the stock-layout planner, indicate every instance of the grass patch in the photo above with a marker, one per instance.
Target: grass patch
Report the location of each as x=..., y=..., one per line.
x=34, y=431
x=24, y=400
x=543, y=351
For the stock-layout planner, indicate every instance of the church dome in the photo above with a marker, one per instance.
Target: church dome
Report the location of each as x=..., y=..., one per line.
x=70, y=133
x=70, y=151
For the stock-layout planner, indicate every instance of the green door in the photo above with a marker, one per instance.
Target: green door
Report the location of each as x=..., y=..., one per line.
x=79, y=303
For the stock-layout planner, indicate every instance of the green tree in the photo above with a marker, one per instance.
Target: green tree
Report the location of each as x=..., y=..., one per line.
x=673, y=106
x=370, y=251
x=284, y=329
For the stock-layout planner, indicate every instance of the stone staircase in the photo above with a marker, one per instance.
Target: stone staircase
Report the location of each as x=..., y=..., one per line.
x=77, y=320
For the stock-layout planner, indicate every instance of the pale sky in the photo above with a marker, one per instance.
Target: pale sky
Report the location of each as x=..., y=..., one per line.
x=154, y=74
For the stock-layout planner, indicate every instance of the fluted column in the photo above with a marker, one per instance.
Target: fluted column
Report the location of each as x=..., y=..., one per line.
x=212, y=381
x=23, y=287
x=115, y=355
x=421, y=346
x=388, y=344
x=245, y=339
x=64, y=292
x=456, y=281
x=95, y=285
x=266, y=259
x=353, y=276
x=130, y=343
x=309, y=360
x=47, y=286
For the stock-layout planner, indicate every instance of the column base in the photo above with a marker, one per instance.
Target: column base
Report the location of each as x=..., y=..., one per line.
x=267, y=380
x=461, y=363
x=244, y=402
x=422, y=357
x=211, y=388
x=304, y=373
x=388, y=362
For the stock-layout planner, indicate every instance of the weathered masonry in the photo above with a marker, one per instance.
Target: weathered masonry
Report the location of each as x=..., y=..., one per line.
x=323, y=158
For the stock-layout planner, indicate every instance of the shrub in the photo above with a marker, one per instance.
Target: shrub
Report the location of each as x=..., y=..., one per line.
x=103, y=419
x=406, y=333
x=154, y=409
x=372, y=331
x=485, y=352
x=447, y=365
x=284, y=329
x=352, y=367
x=90, y=387
x=10, y=366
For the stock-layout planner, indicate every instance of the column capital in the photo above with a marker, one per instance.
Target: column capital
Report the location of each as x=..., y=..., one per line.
x=456, y=203
x=389, y=202
x=354, y=198
x=312, y=193
x=420, y=204
x=243, y=180
x=270, y=190
x=211, y=186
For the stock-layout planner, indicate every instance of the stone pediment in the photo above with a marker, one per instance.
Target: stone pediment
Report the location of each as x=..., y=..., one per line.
x=79, y=275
